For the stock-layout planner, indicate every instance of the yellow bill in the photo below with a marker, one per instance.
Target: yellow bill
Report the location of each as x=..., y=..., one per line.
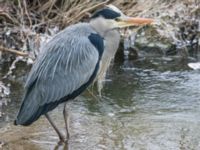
x=129, y=21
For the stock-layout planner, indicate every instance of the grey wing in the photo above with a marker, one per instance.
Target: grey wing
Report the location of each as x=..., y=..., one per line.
x=63, y=71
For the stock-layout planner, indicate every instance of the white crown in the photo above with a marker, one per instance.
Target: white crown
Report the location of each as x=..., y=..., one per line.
x=114, y=8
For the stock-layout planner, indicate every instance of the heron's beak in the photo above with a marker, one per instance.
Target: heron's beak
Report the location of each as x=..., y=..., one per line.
x=129, y=21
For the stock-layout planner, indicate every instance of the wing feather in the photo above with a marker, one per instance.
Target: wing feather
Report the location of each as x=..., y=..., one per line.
x=61, y=69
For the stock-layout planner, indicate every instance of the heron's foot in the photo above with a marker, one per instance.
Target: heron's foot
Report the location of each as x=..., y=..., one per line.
x=63, y=141
x=61, y=144
x=61, y=138
x=59, y=133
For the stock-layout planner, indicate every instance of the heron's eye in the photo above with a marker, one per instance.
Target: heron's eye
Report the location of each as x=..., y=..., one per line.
x=117, y=19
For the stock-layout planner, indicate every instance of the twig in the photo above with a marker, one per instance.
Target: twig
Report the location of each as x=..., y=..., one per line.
x=50, y=8
x=27, y=14
x=84, y=12
x=13, y=51
x=6, y=15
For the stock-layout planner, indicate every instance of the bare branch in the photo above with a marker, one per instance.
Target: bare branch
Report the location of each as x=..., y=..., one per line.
x=86, y=11
x=4, y=49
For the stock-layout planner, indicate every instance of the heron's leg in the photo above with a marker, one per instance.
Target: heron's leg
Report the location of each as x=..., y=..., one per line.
x=61, y=137
x=66, y=118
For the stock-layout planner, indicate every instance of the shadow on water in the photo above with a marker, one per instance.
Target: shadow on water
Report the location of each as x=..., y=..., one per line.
x=149, y=103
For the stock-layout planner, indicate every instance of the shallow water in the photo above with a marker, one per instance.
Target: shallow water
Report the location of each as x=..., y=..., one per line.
x=148, y=104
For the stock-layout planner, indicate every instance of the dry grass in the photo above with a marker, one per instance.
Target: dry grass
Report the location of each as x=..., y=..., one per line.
x=25, y=24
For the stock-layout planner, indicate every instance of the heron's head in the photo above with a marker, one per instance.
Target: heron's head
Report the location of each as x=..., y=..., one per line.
x=112, y=18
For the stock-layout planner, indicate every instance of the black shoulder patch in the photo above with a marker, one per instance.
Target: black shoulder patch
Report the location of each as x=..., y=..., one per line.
x=106, y=13
x=98, y=42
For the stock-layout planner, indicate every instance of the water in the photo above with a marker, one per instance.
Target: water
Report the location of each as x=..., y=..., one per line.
x=148, y=104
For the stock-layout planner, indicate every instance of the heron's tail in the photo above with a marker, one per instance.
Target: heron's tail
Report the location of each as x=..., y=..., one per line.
x=31, y=108
x=28, y=110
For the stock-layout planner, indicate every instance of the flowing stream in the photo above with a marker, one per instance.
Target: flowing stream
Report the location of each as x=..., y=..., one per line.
x=152, y=103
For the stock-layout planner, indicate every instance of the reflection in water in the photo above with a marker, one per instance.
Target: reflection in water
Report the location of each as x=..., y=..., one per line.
x=153, y=105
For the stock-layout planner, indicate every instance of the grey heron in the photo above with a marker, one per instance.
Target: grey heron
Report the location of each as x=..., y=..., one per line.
x=72, y=60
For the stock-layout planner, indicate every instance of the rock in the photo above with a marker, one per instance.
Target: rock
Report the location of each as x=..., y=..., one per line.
x=150, y=41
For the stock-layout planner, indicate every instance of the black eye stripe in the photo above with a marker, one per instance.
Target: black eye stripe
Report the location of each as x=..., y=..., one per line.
x=106, y=13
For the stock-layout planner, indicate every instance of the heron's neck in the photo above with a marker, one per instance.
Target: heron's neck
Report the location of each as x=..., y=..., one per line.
x=111, y=38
